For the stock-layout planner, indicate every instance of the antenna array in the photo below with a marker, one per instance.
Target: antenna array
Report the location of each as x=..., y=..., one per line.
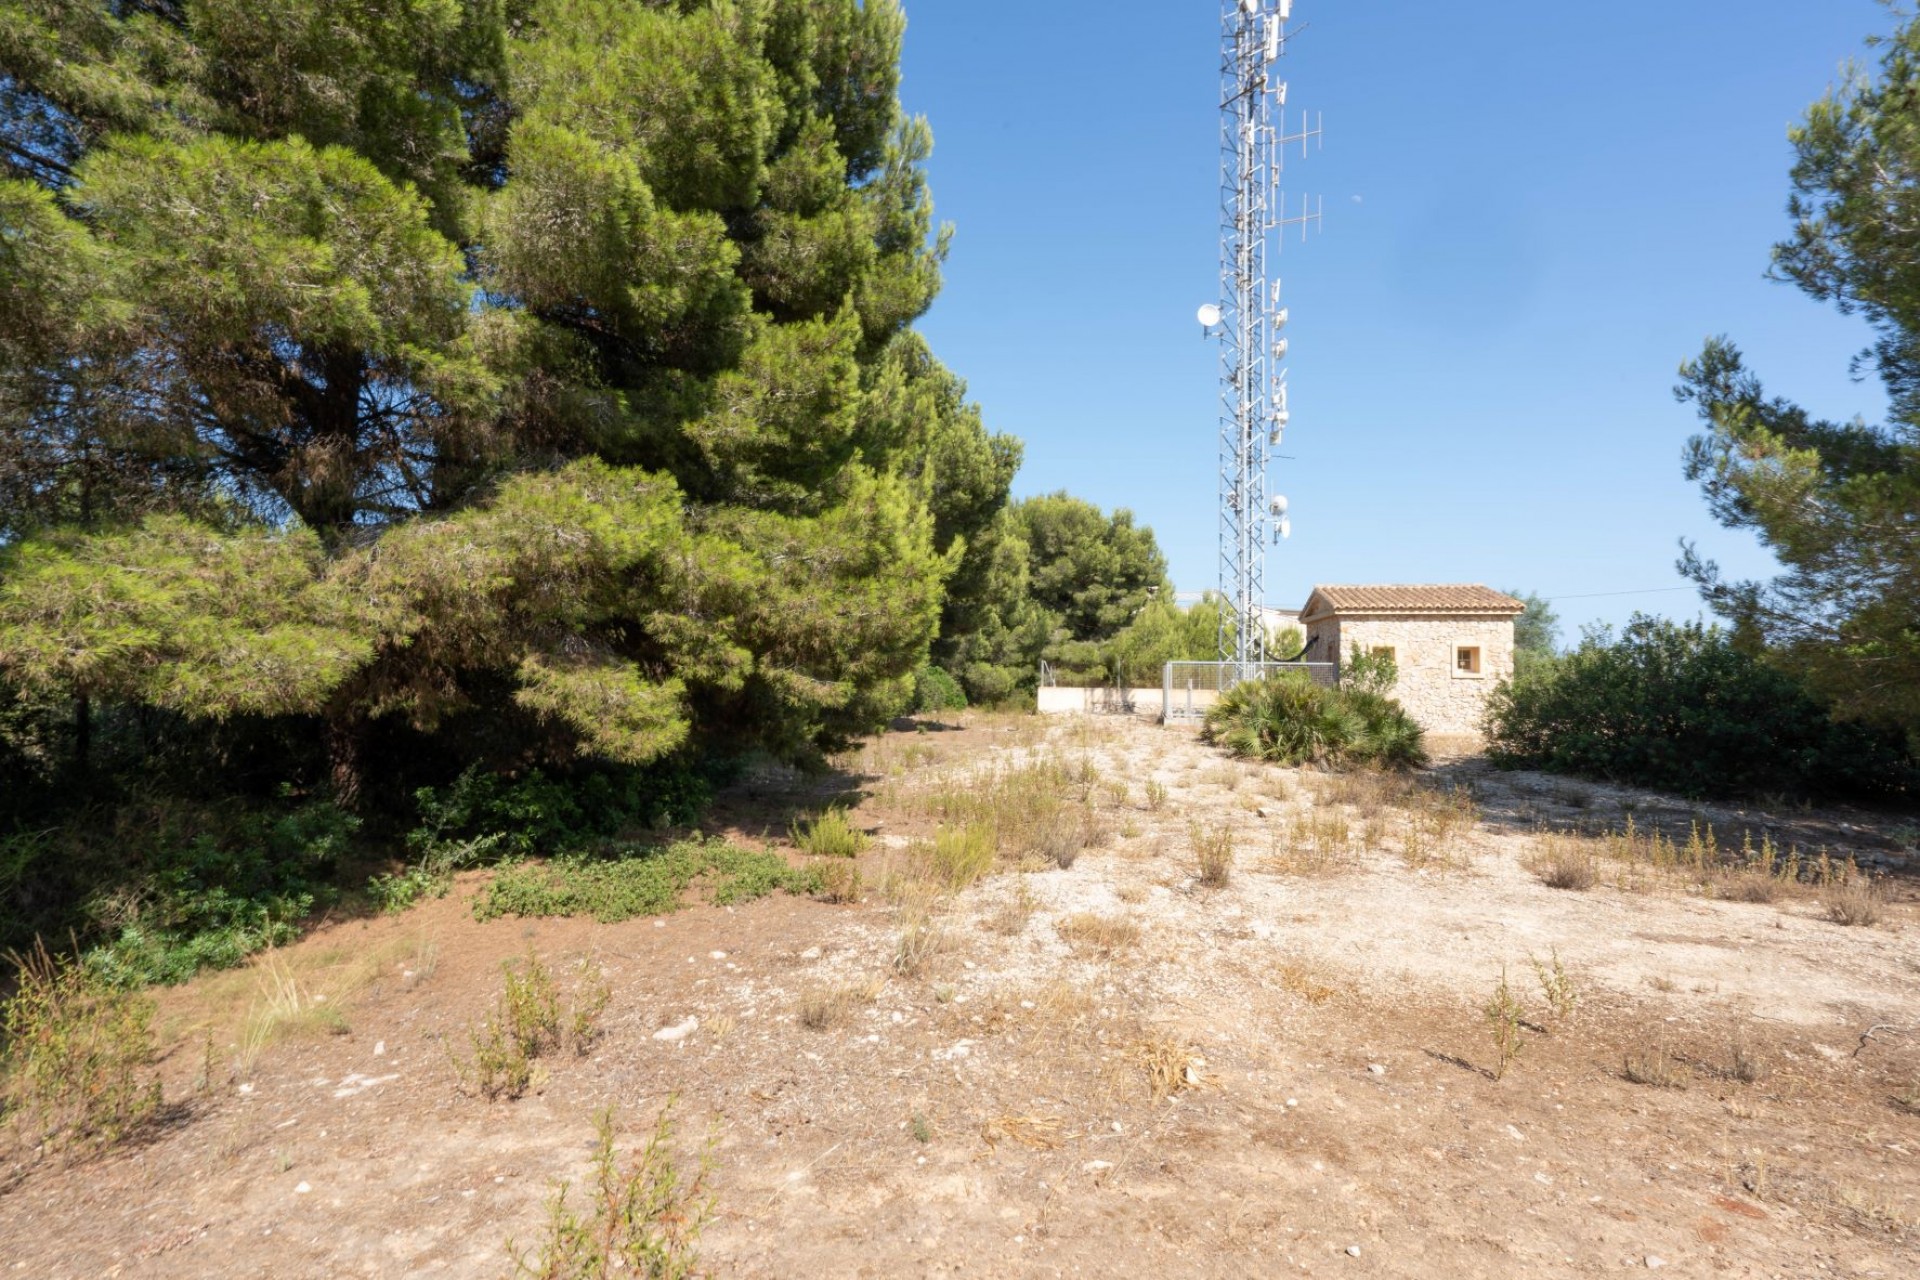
x=1250, y=320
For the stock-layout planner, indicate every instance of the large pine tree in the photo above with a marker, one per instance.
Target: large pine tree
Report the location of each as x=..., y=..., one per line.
x=358, y=357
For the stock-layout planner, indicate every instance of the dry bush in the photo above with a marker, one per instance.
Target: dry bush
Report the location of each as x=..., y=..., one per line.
x=78, y=1056
x=922, y=933
x=1307, y=980
x=1748, y=884
x=839, y=879
x=1011, y=916
x=826, y=1008
x=1564, y=862
x=1436, y=819
x=1745, y=1062
x=1094, y=932
x=1156, y=795
x=1213, y=852
x=1224, y=776
x=1556, y=985
x=1652, y=1065
x=643, y=1219
x=1311, y=845
x=1169, y=1065
x=1855, y=902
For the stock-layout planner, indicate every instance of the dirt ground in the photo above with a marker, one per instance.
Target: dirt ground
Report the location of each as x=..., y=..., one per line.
x=1736, y=1091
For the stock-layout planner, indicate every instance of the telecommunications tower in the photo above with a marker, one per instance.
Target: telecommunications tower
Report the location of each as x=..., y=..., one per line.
x=1249, y=319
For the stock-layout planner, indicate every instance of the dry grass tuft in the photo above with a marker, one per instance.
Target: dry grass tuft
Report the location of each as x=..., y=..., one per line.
x=1105, y=934
x=839, y=879
x=1856, y=902
x=1171, y=1065
x=922, y=933
x=828, y=1008
x=1745, y=1062
x=1564, y=862
x=1651, y=1065
x=1041, y=1133
x=1010, y=917
x=1213, y=852
x=1307, y=980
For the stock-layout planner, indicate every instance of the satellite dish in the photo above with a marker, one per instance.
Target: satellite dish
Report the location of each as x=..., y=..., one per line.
x=1209, y=316
x=1279, y=506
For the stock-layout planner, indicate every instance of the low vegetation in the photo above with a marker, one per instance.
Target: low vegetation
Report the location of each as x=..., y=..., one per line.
x=830, y=835
x=528, y=1022
x=640, y=882
x=1291, y=720
x=77, y=1071
x=642, y=1217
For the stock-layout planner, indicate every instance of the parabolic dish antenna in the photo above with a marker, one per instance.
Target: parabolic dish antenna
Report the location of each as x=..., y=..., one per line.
x=1209, y=316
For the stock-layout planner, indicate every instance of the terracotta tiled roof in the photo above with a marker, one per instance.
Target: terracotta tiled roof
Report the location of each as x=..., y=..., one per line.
x=1470, y=598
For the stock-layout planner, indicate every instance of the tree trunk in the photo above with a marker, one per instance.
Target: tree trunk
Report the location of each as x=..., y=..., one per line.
x=82, y=735
x=346, y=741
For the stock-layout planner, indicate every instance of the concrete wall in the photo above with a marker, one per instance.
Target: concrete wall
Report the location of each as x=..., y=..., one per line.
x=1432, y=688
x=1063, y=702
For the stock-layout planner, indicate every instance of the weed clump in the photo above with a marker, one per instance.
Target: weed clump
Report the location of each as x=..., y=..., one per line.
x=643, y=1218
x=1213, y=851
x=528, y=1023
x=76, y=1071
x=1503, y=1013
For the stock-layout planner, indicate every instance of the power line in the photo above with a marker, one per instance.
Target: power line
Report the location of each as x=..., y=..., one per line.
x=1596, y=595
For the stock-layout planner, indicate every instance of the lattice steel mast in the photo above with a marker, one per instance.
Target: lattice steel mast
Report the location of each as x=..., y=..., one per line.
x=1249, y=319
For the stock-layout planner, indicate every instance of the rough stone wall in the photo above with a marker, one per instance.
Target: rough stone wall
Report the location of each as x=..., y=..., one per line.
x=1434, y=692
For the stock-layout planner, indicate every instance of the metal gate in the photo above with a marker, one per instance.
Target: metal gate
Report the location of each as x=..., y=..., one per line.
x=1187, y=689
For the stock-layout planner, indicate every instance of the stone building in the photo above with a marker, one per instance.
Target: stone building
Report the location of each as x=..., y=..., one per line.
x=1452, y=644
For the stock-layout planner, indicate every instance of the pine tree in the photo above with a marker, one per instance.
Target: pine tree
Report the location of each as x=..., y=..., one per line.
x=360, y=355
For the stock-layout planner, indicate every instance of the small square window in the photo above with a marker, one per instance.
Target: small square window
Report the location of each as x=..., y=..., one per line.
x=1466, y=660
x=1382, y=651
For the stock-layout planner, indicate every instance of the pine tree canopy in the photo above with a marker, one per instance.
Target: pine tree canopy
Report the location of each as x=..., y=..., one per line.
x=358, y=354
x=1838, y=503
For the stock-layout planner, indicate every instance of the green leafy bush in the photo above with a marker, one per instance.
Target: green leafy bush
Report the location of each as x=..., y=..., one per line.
x=935, y=691
x=644, y=882
x=1288, y=719
x=536, y=813
x=1681, y=708
x=210, y=888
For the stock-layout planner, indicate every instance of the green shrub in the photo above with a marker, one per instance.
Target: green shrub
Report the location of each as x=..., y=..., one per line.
x=644, y=882
x=205, y=889
x=1288, y=719
x=830, y=835
x=78, y=1055
x=935, y=691
x=535, y=813
x=1679, y=707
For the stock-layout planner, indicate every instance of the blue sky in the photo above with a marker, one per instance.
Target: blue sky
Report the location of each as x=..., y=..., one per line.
x=1534, y=211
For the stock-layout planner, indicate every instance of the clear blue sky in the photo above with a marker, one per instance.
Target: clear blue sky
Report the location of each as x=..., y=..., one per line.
x=1534, y=211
